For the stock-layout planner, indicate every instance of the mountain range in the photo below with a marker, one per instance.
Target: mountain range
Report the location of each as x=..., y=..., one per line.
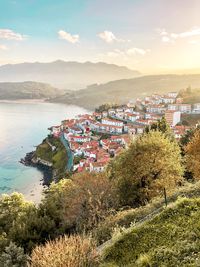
x=65, y=75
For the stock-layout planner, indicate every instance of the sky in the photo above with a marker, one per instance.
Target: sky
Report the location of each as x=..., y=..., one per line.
x=152, y=36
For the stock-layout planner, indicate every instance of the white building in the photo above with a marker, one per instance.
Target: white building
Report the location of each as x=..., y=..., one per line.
x=107, y=121
x=172, y=117
x=196, y=108
x=173, y=94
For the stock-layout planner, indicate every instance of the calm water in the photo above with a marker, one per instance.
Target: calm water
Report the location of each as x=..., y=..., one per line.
x=22, y=126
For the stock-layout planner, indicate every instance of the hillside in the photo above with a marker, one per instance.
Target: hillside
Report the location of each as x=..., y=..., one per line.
x=27, y=90
x=65, y=75
x=169, y=239
x=121, y=91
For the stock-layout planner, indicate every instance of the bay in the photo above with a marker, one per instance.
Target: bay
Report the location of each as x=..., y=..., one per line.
x=23, y=125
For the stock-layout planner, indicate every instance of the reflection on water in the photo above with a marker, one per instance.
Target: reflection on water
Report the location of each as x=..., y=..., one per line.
x=23, y=126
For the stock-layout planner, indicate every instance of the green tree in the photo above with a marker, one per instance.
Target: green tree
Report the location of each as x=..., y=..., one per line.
x=162, y=126
x=13, y=256
x=151, y=163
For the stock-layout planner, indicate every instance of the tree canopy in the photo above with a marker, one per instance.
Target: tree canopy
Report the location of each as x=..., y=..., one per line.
x=151, y=163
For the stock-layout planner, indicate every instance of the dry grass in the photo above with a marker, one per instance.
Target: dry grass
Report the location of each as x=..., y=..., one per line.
x=73, y=251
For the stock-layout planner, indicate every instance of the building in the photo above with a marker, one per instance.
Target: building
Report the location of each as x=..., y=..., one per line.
x=111, y=122
x=196, y=108
x=173, y=94
x=172, y=117
x=183, y=108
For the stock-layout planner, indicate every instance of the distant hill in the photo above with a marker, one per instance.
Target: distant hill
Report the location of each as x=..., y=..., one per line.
x=65, y=75
x=27, y=90
x=121, y=91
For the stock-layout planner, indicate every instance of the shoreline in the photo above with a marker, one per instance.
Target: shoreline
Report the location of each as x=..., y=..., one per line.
x=24, y=101
x=34, y=191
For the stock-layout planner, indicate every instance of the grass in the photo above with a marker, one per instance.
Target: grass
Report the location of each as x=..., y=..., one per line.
x=124, y=219
x=172, y=239
x=58, y=157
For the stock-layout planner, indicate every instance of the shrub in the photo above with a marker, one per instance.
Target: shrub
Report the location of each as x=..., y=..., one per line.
x=73, y=251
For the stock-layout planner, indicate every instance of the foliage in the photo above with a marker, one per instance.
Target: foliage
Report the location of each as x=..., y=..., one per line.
x=66, y=251
x=190, y=96
x=95, y=197
x=161, y=126
x=10, y=208
x=106, y=107
x=192, y=151
x=57, y=157
x=152, y=164
x=170, y=239
x=13, y=256
x=125, y=218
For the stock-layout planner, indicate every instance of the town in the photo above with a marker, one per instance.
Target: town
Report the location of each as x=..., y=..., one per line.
x=91, y=140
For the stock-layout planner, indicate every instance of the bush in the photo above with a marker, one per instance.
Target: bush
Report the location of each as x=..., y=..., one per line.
x=73, y=251
x=13, y=256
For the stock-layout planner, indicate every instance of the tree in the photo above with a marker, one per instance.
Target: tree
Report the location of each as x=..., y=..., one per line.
x=187, y=137
x=13, y=256
x=95, y=199
x=162, y=126
x=151, y=164
x=10, y=208
x=192, y=155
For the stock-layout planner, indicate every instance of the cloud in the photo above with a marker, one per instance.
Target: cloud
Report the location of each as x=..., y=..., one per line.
x=136, y=51
x=8, y=34
x=68, y=36
x=109, y=37
x=126, y=53
x=171, y=37
x=3, y=47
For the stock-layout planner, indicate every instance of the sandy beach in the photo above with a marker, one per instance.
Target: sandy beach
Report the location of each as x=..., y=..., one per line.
x=33, y=192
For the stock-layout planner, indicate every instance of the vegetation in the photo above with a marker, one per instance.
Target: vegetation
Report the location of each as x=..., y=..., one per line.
x=152, y=164
x=57, y=157
x=13, y=256
x=190, y=96
x=84, y=211
x=169, y=239
x=192, y=151
x=106, y=107
x=73, y=251
x=161, y=126
x=121, y=91
x=125, y=218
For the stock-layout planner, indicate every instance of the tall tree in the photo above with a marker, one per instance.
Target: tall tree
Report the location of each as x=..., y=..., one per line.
x=192, y=155
x=151, y=164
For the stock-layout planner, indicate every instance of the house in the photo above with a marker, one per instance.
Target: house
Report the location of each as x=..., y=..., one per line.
x=183, y=108
x=168, y=100
x=173, y=94
x=74, y=130
x=196, y=108
x=55, y=131
x=155, y=109
x=112, y=122
x=97, y=166
x=78, y=138
x=172, y=117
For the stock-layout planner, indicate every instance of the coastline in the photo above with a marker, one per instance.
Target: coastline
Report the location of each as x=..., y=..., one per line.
x=34, y=192
x=23, y=101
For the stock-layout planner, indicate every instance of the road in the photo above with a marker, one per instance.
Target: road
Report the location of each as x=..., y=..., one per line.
x=70, y=155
